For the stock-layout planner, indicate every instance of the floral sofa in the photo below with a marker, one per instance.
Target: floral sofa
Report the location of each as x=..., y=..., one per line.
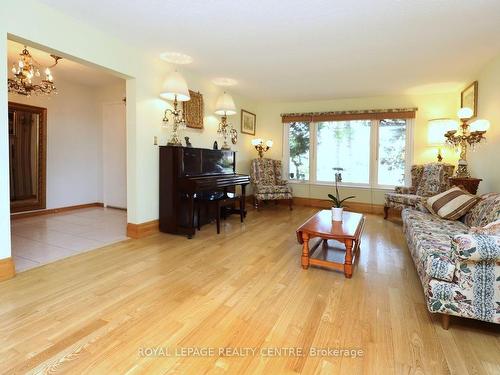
x=459, y=269
x=426, y=180
x=267, y=183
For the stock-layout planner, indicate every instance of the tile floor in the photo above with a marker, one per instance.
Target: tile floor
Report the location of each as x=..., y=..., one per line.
x=43, y=239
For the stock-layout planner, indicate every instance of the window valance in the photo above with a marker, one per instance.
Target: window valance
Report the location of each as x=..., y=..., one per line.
x=371, y=114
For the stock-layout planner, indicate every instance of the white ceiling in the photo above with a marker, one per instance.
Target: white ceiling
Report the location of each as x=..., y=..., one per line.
x=67, y=70
x=309, y=50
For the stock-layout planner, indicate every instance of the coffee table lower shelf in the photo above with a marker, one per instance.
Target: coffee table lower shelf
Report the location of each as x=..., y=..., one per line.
x=351, y=254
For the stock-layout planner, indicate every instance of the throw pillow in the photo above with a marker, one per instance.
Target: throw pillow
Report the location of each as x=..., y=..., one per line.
x=451, y=204
x=491, y=228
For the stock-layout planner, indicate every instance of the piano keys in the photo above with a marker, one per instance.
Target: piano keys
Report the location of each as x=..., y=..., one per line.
x=187, y=171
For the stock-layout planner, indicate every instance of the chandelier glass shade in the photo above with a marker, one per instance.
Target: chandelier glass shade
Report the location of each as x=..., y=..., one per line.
x=26, y=73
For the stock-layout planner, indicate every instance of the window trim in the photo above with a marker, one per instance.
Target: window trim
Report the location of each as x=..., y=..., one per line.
x=374, y=155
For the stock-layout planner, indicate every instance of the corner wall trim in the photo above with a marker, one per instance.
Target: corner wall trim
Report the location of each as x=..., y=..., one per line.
x=143, y=229
x=7, y=269
x=22, y=215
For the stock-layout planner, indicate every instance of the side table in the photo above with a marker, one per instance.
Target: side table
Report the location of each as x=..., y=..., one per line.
x=468, y=183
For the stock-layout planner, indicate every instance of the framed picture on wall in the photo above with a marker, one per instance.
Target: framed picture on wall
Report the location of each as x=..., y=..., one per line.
x=468, y=97
x=248, y=120
x=193, y=110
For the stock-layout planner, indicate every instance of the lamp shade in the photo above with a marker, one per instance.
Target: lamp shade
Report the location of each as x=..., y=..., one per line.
x=465, y=113
x=225, y=105
x=175, y=86
x=479, y=125
x=256, y=142
x=437, y=128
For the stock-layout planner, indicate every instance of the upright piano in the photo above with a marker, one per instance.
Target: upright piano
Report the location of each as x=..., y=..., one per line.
x=188, y=172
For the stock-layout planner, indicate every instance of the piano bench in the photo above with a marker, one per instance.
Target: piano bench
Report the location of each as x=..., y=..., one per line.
x=220, y=201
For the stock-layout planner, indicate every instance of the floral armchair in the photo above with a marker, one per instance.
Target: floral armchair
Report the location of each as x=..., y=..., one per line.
x=267, y=183
x=426, y=180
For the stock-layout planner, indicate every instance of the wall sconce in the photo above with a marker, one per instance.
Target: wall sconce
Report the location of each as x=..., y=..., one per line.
x=225, y=107
x=260, y=147
x=435, y=134
x=471, y=134
x=175, y=88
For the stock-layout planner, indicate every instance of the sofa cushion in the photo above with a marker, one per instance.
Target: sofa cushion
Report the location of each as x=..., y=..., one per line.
x=434, y=179
x=485, y=212
x=430, y=243
x=491, y=228
x=265, y=189
x=404, y=199
x=477, y=247
x=451, y=204
x=416, y=175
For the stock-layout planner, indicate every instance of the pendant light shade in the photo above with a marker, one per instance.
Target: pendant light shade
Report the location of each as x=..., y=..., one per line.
x=175, y=86
x=225, y=105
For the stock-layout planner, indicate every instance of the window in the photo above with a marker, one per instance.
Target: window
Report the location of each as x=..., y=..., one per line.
x=299, y=146
x=391, y=152
x=372, y=152
x=344, y=144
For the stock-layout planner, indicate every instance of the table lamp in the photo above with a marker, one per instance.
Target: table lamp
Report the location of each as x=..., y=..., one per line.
x=436, y=130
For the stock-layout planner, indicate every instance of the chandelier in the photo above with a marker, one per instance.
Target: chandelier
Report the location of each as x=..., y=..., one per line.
x=26, y=71
x=260, y=147
x=471, y=135
x=225, y=107
x=175, y=88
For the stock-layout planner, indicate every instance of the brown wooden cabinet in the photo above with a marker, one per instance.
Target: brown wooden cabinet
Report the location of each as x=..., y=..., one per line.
x=468, y=183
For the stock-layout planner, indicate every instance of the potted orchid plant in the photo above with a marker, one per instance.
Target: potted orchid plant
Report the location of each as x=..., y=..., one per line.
x=337, y=202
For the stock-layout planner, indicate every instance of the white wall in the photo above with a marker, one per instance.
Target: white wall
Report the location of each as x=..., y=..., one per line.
x=483, y=161
x=114, y=155
x=74, y=138
x=46, y=28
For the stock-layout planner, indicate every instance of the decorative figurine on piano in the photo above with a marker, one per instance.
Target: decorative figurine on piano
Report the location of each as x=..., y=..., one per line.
x=188, y=143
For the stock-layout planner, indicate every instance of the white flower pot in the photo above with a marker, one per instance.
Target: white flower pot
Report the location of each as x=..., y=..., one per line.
x=337, y=213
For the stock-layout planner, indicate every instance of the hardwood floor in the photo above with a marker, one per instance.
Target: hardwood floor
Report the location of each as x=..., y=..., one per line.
x=104, y=311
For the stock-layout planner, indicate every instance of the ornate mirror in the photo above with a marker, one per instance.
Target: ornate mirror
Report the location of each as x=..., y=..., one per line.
x=27, y=156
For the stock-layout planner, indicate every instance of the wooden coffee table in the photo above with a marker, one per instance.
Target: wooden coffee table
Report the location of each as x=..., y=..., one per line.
x=348, y=231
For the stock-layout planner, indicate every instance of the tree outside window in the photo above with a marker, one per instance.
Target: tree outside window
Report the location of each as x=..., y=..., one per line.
x=299, y=143
x=392, y=144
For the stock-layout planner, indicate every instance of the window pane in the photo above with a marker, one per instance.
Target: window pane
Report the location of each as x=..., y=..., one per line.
x=299, y=141
x=391, y=152
x=344, y=144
